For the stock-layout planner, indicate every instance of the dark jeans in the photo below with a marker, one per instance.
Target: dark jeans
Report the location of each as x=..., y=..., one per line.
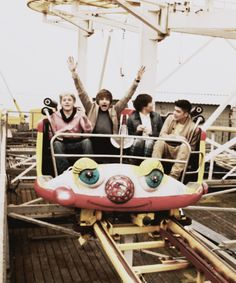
x=141, y=147
x=103, y=146
x=60, y=147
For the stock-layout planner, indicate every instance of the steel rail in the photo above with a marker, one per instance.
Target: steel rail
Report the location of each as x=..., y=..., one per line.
x=215, y=269
x=122, y=267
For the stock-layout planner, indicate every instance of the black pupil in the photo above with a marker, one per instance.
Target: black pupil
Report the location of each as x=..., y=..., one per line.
x=154, y=179
x=89, y=174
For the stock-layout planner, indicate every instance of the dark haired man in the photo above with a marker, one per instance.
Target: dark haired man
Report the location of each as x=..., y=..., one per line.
x=103, y=116
x=70, y=120
x=144, y=122
x=177, y=125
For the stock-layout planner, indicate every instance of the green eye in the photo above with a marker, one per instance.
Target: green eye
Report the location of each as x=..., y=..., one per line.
x=154, y=179
x=89, y=176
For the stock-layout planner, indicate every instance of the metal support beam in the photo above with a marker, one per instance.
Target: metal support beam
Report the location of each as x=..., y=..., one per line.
x=215, y=23
x=68, y=19
x=148, y=54
x=124, y=270
x=141, y=245
x=223, y=254
x=19, y=177
x=37, y=200
x=218, y=111
x=140, y=16
x=128, y=253
x=105, y=60
x=184, y=62
x=230, y=244
x=195, y=248
x=132, y=229
x=211, y=208
x=44, y=224
x=220, y=149
x=39, y=210
x=220, y=193
x=163, y=267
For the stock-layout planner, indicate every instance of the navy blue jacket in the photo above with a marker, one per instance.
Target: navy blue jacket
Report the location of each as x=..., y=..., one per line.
x=134, y=120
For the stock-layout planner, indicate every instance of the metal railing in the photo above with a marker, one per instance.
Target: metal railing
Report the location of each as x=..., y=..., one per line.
x=121, y=154
x=217, y=149
x=4, y=255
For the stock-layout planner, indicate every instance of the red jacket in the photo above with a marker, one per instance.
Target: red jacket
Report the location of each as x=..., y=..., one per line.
x=79, y=124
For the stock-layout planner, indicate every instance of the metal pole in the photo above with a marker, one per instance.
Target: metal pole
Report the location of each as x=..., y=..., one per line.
x=212, y=159
x=229, y=173
x=220, y=193
x=211, y=208
x=184, y=63
x=220, y=149
x=218, y=111
x=104, y=65
x=218, y=145
x=148, y=52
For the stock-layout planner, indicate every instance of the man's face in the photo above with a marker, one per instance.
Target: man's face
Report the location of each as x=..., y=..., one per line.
x=104, y=103
x=179, y=114
x=149, y=107
x=67, y=103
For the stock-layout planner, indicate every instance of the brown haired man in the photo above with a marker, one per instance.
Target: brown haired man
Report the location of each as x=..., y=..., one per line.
x=178, y=125
x=143, y=122
x=103, y=115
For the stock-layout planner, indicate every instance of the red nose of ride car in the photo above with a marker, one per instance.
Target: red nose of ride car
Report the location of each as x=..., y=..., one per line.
x=119, y=189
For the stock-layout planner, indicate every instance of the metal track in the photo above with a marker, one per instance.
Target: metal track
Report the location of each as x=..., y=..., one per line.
x=122, y=267
x=208, y=264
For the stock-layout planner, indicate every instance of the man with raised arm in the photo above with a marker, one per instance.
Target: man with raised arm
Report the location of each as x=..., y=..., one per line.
x=103, y=115
x=178, y=125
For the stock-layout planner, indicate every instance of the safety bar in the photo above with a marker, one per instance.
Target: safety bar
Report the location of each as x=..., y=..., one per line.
x=121, y=155
x=201, y=155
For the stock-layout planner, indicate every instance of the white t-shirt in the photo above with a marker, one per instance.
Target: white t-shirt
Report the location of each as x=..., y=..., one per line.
x=146, y=122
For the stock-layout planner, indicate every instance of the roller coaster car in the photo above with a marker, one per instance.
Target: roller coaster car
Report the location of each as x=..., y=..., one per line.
x=112, y=187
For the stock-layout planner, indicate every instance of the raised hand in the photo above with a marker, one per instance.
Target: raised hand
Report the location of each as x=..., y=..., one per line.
x=140, y=73
x=72, y=64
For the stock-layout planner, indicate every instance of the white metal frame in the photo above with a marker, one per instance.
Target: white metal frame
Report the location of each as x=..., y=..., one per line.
x=121, y=156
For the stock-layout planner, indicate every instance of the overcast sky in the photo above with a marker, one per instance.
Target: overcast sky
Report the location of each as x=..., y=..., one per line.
x=33, y=58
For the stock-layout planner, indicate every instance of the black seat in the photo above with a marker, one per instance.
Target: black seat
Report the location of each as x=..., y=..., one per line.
x=47, y=165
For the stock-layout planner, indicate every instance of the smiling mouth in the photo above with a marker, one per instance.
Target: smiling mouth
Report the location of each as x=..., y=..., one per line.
x=121, y=207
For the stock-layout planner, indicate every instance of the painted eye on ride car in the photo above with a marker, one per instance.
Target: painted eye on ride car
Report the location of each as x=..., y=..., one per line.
x=150, y=173
x=154, y=179
x=89, y=176
x=86, y=173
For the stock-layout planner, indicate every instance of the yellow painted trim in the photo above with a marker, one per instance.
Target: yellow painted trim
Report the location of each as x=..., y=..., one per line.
x=39, y=153
x=201, y=163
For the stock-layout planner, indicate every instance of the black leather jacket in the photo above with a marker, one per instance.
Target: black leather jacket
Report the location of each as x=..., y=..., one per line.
x=134, y=120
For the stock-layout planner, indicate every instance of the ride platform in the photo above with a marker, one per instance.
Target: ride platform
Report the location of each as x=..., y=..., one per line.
x=43, y=255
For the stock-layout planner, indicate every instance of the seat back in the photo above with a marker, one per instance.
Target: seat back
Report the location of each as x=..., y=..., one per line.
x=43, y=152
